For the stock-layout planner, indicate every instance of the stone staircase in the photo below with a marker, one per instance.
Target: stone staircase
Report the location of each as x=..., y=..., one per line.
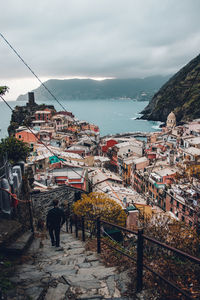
x=19, y=246
x=70, y=274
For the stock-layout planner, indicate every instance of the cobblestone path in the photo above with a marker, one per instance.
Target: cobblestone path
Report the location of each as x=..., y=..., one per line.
x=72, y=273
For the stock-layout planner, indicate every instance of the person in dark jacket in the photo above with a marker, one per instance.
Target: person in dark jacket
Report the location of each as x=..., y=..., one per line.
x=55, y=219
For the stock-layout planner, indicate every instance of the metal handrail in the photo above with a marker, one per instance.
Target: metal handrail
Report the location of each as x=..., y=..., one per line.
x=180, y=252
x=140, y=247
x=177, y=251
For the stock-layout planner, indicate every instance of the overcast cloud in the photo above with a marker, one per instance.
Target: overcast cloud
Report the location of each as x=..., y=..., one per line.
x=96, y=38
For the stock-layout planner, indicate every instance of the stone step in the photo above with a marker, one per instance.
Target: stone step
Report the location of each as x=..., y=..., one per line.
x=119, y=298
x=9, y=231
x=20, y=245
x=99, y=297
x=72, y=273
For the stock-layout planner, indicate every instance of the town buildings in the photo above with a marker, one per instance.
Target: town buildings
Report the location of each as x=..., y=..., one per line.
x=159, y=174
x=60, y=145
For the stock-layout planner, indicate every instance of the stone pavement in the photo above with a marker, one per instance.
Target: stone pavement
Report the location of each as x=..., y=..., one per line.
x=72, y=273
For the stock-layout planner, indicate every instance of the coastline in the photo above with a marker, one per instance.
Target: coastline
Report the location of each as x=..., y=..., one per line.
x=112, y=116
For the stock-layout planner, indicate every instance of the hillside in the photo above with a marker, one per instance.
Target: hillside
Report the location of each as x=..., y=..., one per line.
x=180, y=94
x=138, y=89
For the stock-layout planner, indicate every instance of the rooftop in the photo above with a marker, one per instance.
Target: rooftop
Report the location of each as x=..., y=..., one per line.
x=126, y=144
x=192, y=151
x=130, y=160
x=140, y=160
x=101, y=158
x=194, y=140
x=38, y=121
x=98, y=176
x=70, y=173
x=42, y=112
x=165, y=171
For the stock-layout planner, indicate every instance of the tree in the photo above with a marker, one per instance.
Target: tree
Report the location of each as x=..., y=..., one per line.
x=172, y=232
x=3, y=90
x=14, y=149
x=100, y=205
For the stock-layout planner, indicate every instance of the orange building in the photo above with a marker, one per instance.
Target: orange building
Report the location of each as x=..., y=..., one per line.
x=27, y=136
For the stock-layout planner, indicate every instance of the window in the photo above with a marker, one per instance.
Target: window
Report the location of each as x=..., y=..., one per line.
x=183, y=218
x=183, y=208
x=171, y=209
x=190, y=223
x=20, y=136
x=171, y=200
x=177, y=214
x=177, y=204
x=191, y=212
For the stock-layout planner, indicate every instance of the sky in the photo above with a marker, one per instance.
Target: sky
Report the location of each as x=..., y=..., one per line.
x=95, y=39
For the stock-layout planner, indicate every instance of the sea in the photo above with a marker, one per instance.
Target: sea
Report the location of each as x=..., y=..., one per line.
x=111, y=115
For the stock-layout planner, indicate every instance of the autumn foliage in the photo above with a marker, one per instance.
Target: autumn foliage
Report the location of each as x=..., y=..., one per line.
x=96, y=205
x=173, y=267
x=174, y=233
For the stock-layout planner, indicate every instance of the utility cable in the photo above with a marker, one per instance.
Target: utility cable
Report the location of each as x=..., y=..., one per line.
x=23, y=61
x=53, y=96
x=120, y=247
x=30, y=69
x=87, y=179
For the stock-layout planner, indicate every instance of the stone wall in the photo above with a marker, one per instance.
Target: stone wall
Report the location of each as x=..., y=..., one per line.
x=42, y=201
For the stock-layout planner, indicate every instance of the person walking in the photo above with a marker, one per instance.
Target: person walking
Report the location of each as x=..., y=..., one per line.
x=55, y=220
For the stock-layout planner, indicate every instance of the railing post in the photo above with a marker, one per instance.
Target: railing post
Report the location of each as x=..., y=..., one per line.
x=76, y=226
x=67, y=225
x=70, y=224
x=83, y=228
x=31, y=214
x=140, y=260
x=98, y=235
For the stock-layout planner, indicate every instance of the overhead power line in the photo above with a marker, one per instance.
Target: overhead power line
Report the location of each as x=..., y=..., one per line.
x=31, y=70
x=53, y=96
x=50, y=150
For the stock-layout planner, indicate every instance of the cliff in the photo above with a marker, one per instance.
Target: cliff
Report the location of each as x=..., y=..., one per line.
x=181, y=94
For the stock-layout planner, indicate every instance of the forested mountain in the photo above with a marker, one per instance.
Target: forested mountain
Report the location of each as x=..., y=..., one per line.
x=181, y=94
x=138, y=89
